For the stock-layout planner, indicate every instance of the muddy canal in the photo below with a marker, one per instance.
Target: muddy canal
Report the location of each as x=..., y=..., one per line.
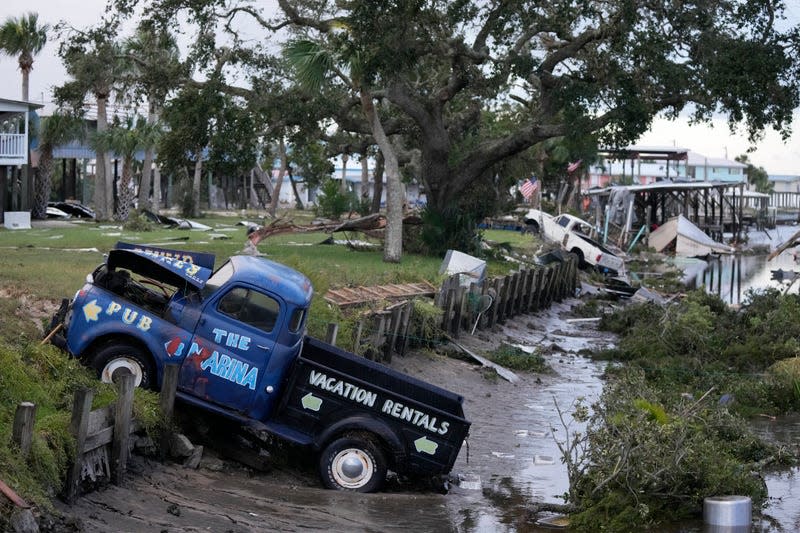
x=511, y=460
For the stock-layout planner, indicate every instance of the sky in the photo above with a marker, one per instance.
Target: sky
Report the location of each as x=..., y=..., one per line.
x=711, y=140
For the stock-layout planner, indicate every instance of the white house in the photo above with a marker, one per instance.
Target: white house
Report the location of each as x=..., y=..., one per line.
x=15, y=186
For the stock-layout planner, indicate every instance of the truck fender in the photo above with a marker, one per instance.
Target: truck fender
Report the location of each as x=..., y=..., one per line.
x=108, y=336
x=360, y=422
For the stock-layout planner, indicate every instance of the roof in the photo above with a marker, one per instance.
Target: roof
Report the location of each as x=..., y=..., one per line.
x=16, y=104
x=290, y=284
x=787, y=178
x=647, y=153
x=667, y=186
x=699, y=160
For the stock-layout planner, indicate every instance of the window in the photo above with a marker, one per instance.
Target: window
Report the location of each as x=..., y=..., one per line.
x=251, y=307
x=736, y=171
x=563, y=222
x=218, y=279
x=296, y=321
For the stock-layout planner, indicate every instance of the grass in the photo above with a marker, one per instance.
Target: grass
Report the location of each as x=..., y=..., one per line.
x=45, y=264
x=53, y=262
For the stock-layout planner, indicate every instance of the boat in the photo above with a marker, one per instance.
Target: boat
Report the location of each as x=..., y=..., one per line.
x=686, y=239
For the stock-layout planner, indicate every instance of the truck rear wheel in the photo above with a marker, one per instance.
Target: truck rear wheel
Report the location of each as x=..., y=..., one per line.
x=354, y=464
x=114, y=359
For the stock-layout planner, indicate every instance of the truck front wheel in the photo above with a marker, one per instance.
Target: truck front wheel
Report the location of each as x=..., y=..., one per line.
x=114, y=359
x=354, y=464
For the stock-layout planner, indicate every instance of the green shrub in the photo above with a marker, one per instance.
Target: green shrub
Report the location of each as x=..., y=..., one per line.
x=137, y=221
x=332, y=203
x=651, y=458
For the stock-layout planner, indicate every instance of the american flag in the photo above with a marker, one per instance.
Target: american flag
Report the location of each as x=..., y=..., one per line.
x=529, y=187
x=572, y=167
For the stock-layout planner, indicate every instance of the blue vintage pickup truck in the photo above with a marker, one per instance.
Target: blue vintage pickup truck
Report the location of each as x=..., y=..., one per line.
x=238, y=336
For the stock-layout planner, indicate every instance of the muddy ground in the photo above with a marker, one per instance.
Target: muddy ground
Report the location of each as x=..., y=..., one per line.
x=510, y=460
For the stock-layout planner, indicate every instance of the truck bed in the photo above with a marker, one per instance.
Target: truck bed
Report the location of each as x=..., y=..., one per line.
x=330, y=386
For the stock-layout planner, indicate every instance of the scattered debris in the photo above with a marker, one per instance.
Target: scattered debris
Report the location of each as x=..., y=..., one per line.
x=469, y=269
x=503, y=455
x=543, y=460
x=71, y=208
x=502, y=371
x=347, y=296
x=686, y=239
x=54, y=212
x=471, y=482
x=9, y=493
x=643, y=294
x=793, y=241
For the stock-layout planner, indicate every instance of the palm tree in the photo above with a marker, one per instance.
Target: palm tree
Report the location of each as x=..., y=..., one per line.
x=125, y=140
x=56, y=129
x=97, y=64
x=156, y=69
x=313, y=64
x=23, y=37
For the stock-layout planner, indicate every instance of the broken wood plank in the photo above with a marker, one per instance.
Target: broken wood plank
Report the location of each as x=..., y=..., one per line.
x=502, y=371
x=346, y=296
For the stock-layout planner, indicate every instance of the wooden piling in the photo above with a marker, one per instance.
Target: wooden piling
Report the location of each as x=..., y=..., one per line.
x=122, y=427
x=166, y=400
x=22, y=430
x=330, y=335
x=78, y=427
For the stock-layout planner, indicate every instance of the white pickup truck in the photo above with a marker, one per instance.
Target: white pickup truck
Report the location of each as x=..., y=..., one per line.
x=572, y=233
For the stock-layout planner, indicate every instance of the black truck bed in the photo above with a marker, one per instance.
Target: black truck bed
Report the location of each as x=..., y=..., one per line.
x=421, y=424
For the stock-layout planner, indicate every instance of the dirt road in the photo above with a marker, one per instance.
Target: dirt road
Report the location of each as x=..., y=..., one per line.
x=510, y=459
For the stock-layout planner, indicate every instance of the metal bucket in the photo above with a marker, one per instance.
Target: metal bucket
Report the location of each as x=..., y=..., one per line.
x=727, y=514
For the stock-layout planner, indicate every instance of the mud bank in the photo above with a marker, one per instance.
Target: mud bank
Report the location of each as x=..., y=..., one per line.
x=510, y=459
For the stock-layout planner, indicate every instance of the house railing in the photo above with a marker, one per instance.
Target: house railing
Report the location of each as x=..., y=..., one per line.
x=12, y=145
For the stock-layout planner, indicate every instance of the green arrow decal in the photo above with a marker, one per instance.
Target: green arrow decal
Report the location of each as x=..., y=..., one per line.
x=423, y=445
x=311, y=402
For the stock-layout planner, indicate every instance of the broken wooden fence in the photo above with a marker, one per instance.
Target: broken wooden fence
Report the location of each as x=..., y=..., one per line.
x=381, y=334
x=525, y=291
x=103, y=437
x=94, y=431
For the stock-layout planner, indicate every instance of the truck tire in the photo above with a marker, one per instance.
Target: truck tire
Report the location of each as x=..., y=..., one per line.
x=113, y=359
x=581, y=261
x=353, y=463
x=532, y=227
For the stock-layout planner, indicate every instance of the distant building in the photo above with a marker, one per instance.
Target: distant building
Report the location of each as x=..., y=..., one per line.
x=642, y=165
x=784, y=182
x=16, y=190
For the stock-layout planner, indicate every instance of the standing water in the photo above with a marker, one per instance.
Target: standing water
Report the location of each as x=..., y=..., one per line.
x=731, y=276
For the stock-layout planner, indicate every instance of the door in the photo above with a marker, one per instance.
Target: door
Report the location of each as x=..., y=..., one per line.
x=232, y=345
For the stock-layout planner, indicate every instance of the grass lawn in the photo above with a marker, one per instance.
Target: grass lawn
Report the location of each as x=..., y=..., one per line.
x=51, y=261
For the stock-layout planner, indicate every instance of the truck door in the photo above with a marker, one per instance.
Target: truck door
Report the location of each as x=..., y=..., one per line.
x=232, y=344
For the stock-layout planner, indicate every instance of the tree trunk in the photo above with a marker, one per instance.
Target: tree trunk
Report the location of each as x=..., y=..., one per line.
x=198, y=174
x=393, y=237
x=147, y=164
x=298, y=202
x=43, y=183
x=102, y=181
x=377, y=190
x=25, y=83
x=156, y=205
x=126, y=193
x=364, y=180
x=343, y=185
x=276, y=194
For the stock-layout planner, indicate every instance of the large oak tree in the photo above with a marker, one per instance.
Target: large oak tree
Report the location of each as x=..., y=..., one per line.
x=557, y=69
